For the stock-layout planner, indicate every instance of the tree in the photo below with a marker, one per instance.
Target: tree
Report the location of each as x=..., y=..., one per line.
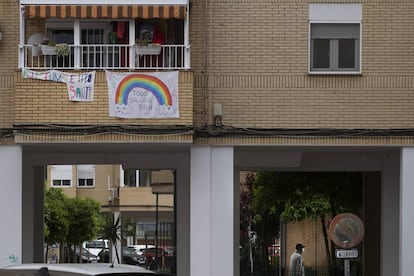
x=254, y=248
x=129, y=227
x=294, y=196
x=246, y=199
x=56, y=223
x=85, y=220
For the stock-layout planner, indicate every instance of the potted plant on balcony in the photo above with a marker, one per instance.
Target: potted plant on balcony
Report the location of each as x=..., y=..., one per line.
x=143, y=47
x=62, y=49
x=48, y=47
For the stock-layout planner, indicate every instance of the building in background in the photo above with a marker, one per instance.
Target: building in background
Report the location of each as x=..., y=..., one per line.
x=144, y=198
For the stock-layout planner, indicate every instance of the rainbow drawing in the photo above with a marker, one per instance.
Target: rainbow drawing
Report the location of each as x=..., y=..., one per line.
x=150, y=83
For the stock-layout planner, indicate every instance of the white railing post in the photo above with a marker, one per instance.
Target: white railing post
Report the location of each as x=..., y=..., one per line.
x=77, y=63
x=187, y=40
x=131, y=43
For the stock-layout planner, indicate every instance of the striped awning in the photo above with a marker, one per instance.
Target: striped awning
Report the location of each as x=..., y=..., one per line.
x=105, y=11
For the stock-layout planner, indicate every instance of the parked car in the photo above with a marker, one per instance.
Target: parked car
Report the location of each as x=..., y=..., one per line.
x=130, y=256
x=87, y=257
x=159, y=257
x=70, y=269
x=139, y=248
x=96, y=246
x=142, y=260
x=104, y=256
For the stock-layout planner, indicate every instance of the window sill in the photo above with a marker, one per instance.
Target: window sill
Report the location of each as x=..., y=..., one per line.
x=347, y=73
x=62, y=187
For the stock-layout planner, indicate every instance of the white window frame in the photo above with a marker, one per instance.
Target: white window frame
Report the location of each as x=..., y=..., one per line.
x=61, y=173
x=335, y=14
x=145, y=178
x=142, y=178
x=85, y=170
x=334, y=48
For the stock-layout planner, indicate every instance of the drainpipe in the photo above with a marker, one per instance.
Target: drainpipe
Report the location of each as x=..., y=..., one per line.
x=206, y=65
x=21, y=37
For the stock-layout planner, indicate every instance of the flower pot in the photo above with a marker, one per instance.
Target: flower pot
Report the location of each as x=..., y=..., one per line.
x=48, y=50
x=62, y=49
x=150, y=49
x=36, y=51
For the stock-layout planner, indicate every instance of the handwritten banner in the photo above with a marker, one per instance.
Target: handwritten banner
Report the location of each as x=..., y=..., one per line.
x=143, y=95
x=80, y=87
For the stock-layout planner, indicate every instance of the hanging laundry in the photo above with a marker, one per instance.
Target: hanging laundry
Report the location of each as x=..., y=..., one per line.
x=120, y=30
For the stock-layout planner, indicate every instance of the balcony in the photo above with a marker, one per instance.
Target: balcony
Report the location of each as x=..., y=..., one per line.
x=109, y=56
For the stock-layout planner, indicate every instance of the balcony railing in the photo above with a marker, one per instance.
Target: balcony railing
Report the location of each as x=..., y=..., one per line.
x=110, y=56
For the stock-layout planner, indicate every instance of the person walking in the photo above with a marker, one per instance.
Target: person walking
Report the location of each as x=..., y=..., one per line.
x=296, y=261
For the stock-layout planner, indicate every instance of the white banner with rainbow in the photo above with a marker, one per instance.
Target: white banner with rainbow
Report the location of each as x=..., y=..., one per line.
x=143, y=95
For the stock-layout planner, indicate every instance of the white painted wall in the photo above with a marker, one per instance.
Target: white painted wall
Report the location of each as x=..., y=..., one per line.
x=212, y=211
x=11, y=205
x=406, y=212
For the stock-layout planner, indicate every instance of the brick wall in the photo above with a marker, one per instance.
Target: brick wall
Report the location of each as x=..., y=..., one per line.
x=9, y=23
x=38, y=101
x=308, y=233
x=258, y=58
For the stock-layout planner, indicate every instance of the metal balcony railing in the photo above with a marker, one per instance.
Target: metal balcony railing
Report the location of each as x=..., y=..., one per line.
x=110, y=56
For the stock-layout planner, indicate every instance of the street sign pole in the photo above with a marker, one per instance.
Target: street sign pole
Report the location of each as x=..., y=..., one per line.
x=346, y=255
x=347, y=267
x=346, y=231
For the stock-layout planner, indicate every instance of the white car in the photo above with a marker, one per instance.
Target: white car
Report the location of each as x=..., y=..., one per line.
x=96, y=246
x=71, y=269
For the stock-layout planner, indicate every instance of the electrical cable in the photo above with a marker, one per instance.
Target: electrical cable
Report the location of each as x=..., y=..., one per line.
x=199, y=131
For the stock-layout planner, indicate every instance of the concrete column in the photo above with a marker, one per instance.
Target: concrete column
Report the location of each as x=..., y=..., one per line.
x=212, y=211
x=390, y=198
x=33, y=180
x=11, y=205
x=372, y=219
x=406, y=212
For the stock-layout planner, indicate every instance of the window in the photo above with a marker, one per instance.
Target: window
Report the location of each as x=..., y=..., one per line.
x=335, y=38
x=145, y=178
x=137, y=178
x=60, y=33
x=147, y=229
x=85, y=175
x=334, y=47
x=61, y=175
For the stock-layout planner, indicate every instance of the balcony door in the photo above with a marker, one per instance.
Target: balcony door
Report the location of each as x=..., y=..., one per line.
x=94, y=35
